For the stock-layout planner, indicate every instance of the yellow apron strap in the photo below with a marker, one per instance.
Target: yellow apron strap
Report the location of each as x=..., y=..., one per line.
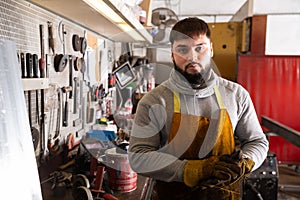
x=219, y=98
x=176, y=103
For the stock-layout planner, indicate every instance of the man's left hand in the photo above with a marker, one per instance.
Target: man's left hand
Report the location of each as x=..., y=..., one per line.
x=232, y=167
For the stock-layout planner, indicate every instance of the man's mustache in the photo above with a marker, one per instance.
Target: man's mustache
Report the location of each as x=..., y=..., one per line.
x=192, y=63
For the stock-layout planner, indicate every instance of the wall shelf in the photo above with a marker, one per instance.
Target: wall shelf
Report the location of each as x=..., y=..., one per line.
x=86, y=15
x=35, y=83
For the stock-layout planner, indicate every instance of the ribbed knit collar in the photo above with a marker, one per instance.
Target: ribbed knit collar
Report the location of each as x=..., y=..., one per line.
x=178, y=83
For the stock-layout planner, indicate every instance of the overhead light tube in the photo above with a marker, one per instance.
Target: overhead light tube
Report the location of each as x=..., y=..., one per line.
x=101, y=7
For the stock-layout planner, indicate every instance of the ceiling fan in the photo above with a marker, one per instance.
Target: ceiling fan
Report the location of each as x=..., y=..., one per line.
x=164, y=19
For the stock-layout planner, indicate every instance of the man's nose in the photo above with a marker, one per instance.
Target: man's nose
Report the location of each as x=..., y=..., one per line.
x=193, y=55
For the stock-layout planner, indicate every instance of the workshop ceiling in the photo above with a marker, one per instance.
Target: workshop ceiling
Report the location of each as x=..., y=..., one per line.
x=213, y=10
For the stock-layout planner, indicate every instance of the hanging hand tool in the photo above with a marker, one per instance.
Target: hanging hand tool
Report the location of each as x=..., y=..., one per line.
x=29, y=65
x=35, y=65
x=42, y=75
x=34, y=132
x=77, y=64
x=82, y=66
x=23, y=65
x=80, y=132
x=51, y=37
x=71, y=63
x=83, y=45
x=53, y=143
x=42, y=59
x=75, y=95
x=90, y=110
x=77, y=121
x=52, y=105
x=29, y=74
x=61, y=60
x=63, y=32
x=76, y=43
x=66, y=108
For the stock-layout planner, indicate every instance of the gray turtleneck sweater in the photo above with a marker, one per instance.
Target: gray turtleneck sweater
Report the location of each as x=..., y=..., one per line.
x=148, y=154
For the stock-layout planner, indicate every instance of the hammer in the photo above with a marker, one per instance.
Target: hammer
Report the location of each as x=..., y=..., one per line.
x=65, y=115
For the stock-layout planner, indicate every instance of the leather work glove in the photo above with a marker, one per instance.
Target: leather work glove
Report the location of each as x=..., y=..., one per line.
x=196, y=170
x=232, y=167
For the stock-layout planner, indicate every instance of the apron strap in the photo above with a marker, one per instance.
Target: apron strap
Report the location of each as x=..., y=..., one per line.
x=219, y=98
x=176, y=102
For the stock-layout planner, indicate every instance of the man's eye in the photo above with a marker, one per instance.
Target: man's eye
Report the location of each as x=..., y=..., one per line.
x=198, y=49
x=182, y=50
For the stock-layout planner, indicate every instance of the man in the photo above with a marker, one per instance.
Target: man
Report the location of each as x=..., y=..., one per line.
x=185, y=130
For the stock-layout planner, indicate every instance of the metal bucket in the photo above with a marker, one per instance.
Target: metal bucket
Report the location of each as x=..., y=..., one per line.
x=121, y=177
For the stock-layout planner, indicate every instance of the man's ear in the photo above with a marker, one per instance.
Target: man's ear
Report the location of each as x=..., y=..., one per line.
x=172, y=56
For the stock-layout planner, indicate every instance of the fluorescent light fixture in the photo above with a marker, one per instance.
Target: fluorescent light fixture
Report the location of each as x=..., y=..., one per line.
x=105, y=10
x=130, y=31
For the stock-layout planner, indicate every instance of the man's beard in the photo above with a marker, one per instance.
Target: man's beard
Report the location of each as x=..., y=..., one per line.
x=197, y=80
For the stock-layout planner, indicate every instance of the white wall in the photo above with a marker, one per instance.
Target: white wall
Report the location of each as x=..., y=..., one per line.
x=283, y=25
x=276, y=7
x=282, y=35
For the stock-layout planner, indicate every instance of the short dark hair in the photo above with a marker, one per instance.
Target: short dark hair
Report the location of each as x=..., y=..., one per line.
x=189, y=27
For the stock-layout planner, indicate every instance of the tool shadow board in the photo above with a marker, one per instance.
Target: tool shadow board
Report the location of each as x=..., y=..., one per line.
x=20, y=22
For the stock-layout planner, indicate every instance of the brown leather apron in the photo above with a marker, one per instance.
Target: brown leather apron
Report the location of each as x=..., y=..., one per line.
x=221, y=142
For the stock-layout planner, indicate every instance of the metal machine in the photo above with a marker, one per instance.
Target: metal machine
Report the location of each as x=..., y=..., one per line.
x=262, y=184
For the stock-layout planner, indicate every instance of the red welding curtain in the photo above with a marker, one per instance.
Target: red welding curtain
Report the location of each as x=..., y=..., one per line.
x=274, y=85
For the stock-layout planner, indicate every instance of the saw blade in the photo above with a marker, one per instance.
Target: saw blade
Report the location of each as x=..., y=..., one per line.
x=82, y=193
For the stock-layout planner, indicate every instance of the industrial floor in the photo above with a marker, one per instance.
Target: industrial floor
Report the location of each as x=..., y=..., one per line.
x=289, y=182
x=288, y=187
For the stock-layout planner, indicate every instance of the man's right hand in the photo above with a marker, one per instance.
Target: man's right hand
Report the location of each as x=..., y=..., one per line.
x=196, y=170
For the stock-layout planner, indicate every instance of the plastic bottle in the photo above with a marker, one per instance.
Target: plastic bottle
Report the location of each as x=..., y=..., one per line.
x=151, y=83
x=98, y=115
x=128, y=106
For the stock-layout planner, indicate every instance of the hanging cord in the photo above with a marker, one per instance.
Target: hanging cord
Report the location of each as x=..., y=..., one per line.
x=256, y=192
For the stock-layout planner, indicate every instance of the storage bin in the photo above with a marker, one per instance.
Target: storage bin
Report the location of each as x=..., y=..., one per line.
x=103, y=135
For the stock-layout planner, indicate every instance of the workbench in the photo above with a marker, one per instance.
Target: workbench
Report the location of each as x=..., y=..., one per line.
x=66, y=194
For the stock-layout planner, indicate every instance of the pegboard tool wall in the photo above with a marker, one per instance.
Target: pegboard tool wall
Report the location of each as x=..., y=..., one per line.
x=19, y=22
